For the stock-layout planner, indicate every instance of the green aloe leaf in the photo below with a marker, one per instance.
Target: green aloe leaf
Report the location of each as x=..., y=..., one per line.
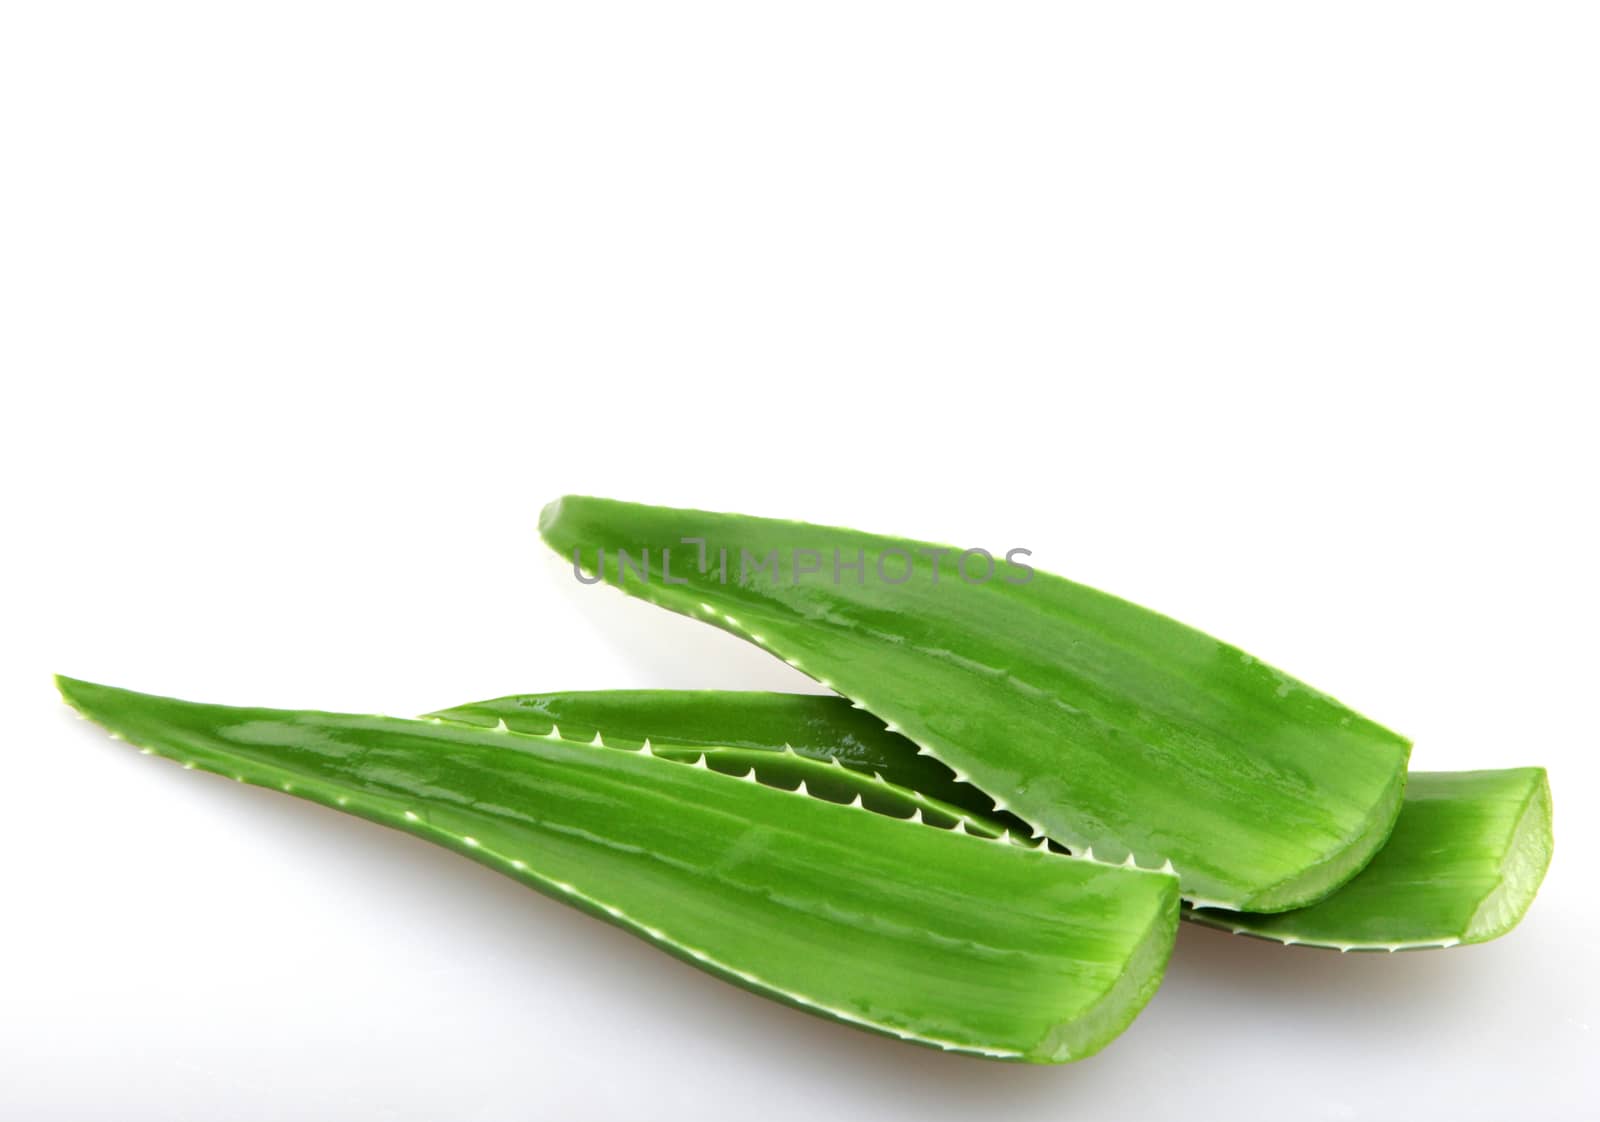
x=1111, y=729
x=1462, y=865
x=930, y=936
x=776, y=727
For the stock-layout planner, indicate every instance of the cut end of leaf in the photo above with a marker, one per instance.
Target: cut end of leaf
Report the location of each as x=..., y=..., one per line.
x=1522, y=871
x=1084, y=1035
x=1345, y=861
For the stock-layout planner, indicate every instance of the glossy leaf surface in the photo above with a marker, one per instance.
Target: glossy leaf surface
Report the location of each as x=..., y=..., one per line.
x=931, y=936
x=1111, y=729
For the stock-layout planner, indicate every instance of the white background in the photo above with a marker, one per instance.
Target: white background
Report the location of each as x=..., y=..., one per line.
x=1280, y=320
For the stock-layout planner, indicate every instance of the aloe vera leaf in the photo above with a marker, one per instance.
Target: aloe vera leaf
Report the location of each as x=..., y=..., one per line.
x=1463, y=864
x=1111, y=729
x=685, y=739
x=930, y=936
x=778, y=726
